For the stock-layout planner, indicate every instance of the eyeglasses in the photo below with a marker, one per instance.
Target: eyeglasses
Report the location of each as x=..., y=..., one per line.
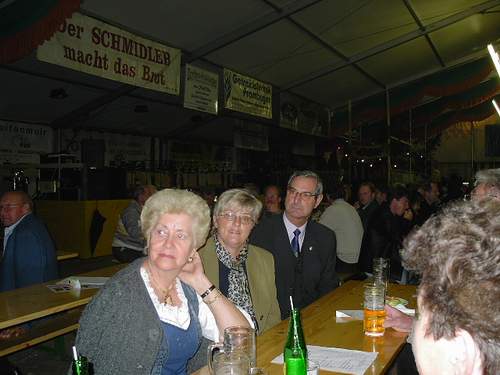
x=302, y=194
x=8, y=207
x=232, y=216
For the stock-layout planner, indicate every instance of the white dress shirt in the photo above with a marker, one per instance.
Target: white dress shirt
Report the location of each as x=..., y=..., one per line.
x=290, y=228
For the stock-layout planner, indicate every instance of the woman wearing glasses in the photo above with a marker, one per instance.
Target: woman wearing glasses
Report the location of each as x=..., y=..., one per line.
x=243, y=273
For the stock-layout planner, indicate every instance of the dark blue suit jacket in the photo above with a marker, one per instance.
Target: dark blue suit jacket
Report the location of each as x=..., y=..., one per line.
x=29, y=256
x=307, y=277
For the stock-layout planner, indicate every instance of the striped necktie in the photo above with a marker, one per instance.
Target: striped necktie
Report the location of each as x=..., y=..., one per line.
x=295, y=242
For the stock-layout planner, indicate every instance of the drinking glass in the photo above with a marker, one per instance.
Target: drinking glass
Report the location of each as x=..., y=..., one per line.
x=312, y=368
x=234, y=363
x=381, y=271
x=236, y=340
x=257, y=371
x=374, y=309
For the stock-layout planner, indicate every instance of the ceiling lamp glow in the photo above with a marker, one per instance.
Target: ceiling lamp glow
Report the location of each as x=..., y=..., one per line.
x=496, y=106
x=494, y=57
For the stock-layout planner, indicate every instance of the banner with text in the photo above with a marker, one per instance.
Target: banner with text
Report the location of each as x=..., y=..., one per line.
x=94, y=47
x=201, y=91
x=304, y=116
x=25, y=138
x=245, y=94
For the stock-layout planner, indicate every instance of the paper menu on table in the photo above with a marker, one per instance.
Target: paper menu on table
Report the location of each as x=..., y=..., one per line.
x=339, y=360
x=83, y=282
x=354, y=314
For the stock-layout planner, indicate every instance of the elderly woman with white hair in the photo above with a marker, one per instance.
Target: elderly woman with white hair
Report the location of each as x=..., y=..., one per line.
x=457, y=254
x=243, y=272
x=149, y=318
x=487, y=184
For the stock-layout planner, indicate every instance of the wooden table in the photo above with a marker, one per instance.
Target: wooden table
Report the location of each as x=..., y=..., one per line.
x=320, y=328
x=37, y=301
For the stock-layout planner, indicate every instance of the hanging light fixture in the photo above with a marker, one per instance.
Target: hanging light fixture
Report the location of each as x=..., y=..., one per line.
x=496, y=106
x=494, y=57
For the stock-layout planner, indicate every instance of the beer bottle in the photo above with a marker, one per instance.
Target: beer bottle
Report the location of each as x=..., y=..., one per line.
x=79, y=365
x=295, y=352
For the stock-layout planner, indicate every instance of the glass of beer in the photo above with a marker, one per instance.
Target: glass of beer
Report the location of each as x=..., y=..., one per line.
x=374, y=303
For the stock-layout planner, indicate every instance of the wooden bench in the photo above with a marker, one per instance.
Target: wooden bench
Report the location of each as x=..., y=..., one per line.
x=60, y=311
x=63, y=255
x=49, y=329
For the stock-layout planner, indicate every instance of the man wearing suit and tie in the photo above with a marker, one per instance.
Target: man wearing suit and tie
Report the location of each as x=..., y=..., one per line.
x=304, y=251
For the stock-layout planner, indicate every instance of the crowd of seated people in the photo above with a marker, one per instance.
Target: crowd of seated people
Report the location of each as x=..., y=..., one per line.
x=251, y=262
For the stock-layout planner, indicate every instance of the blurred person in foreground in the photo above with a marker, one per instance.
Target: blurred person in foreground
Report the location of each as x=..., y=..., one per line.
x=457, y=254
x=244, y=273
x=304, y=251
x=149, y=318
x=128, y=241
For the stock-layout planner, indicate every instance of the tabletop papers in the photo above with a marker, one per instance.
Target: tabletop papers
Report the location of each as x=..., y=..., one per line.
x=359, y=314
x=354, y=314
x=78, y=282
x=338, y=360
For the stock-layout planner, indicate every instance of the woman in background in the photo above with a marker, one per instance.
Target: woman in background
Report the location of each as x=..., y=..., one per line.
x=244, y=273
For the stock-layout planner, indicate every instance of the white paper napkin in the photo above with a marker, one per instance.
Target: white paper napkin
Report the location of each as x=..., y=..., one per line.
x=405, y=310
x=344, y=316
x=353, y=314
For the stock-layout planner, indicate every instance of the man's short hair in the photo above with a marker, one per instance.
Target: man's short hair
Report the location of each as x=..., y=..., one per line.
x=370, y=185
x=311, y=174
x=273, y=186
x=398, y=192
x=140, y=189
x=383, y=189
x=457, y=254
x=23, y=196
x=337, y=191
x=427, y=186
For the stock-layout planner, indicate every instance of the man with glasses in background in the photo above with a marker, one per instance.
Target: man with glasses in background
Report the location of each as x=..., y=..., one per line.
x=29, y=256
x=304, y=251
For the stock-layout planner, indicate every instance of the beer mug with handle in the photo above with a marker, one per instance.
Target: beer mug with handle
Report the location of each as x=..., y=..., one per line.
x=235, y=363
x=236, y=340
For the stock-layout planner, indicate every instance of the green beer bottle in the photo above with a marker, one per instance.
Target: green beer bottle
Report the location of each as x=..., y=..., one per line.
x=295, y=352
x=79, y=365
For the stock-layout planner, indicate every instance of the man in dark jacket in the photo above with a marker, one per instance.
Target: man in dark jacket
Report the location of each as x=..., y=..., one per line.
x=430, y=202
x=304, y=251
x=366, y=204
x=29, y=256
x=385, y=232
